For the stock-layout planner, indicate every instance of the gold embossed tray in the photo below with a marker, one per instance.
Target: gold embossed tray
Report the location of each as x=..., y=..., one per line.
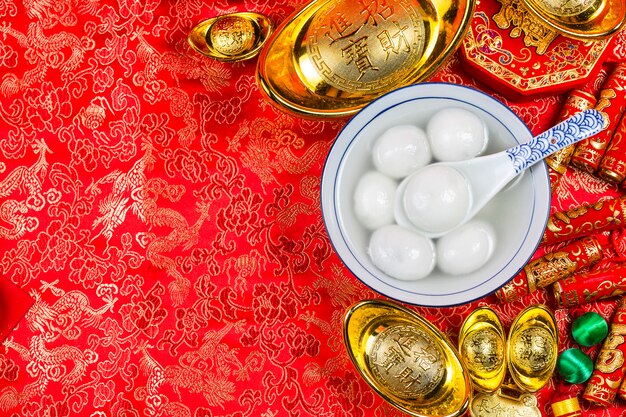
x=514, y=53
x=333, y=57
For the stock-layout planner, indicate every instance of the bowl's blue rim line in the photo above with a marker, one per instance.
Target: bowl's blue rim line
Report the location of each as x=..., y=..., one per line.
x=401, y=290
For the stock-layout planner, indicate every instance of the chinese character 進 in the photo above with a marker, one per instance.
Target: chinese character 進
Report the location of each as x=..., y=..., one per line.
x=340, y=27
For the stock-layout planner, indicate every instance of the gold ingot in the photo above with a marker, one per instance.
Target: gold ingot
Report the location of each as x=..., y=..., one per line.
x=532, y=348
x=581, y=19
x=334, y=56
x=482, y=344
x=406, y=360
x=231, y=37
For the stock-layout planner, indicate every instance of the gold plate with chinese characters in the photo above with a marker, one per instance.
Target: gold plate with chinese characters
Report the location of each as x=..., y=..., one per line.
x=406, y=359
x=482, y=348
x=333, y=57
x=231, y=37
x=581, y=19
x=532, y=348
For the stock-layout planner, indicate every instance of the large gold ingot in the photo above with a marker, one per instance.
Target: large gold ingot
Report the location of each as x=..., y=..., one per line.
x=482, y=344
x=532, y=348
x=406, y=359
x=333, y=57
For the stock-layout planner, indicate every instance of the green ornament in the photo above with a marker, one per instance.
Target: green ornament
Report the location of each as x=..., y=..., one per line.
x=589, y=329
x=574, y=366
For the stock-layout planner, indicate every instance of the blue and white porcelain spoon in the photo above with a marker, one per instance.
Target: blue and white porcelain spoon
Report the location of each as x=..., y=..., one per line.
x=487, y=175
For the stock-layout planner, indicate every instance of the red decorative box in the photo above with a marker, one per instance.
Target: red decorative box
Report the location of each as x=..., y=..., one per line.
x=519, y=56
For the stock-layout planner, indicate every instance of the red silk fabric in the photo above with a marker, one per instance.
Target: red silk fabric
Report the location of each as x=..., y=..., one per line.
x=165, y=221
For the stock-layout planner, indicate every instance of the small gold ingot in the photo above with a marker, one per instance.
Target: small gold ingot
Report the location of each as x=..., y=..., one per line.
x=482, y=348
x=581, y=19
x=532, y=348
x=334, y=56
x=231, y=37
x=406, y=360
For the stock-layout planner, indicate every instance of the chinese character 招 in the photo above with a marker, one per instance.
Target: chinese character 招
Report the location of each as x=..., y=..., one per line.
x=374, y=9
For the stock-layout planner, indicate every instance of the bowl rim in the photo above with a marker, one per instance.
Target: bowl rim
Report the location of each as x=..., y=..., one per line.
x=330, y=212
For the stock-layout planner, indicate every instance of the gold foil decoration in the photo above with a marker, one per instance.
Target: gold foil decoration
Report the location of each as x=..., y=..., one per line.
x=532, y=348
x=406, y=360
x=482, y=347
x=231, y=37
x=333, y=57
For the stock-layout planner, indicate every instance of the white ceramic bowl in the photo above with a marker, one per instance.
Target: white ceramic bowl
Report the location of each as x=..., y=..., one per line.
x=518, y=214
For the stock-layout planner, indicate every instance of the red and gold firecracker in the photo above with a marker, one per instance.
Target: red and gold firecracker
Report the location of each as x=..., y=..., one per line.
x=622, y=390
x=576, y=101
x=608, y=372
x=585, y=220
x=590, y=286
x=552, y=267
x=594, y=85
x=611, y=103
x=613, y=164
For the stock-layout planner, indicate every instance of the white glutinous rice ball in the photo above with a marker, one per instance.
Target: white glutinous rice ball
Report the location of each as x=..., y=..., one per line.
x=466, y=249
x=402, y=253
x=436, y=198
x=374, y=197
x=456, y=134
x=401, y=150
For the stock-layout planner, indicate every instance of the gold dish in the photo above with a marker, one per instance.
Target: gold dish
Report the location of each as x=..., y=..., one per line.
x=406, y=359
x=231, y=37
x=581, y=19
x=482, y=348
x=333, y=57
x=532, y=348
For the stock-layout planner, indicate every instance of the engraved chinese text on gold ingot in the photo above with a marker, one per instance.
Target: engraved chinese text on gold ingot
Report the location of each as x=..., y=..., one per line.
x=482, y=349
x=231, y=37
x=331, y=58
x=357, y=52
x=532, y=348
x=406, y=360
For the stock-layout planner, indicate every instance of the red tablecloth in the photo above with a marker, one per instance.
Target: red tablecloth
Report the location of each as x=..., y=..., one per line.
x=166, y=222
